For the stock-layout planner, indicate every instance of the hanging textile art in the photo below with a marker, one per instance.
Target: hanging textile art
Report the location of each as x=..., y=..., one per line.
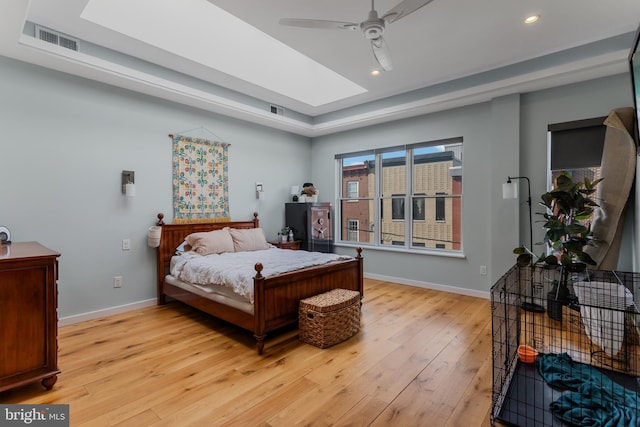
x=200, y=180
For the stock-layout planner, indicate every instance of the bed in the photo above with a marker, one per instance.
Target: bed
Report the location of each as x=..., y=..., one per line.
x=275, y=298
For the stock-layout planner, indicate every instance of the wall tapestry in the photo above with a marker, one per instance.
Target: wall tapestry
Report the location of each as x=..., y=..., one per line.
x=200, y=180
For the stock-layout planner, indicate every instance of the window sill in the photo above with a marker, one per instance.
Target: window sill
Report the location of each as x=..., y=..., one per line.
x=429, y=252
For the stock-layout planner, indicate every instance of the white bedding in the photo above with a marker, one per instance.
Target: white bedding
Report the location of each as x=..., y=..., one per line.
x=236, y=269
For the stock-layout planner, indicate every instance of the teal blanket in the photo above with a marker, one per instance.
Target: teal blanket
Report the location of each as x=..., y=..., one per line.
x=593, y=399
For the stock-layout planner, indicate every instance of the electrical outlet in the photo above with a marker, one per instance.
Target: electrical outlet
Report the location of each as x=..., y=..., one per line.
x=117, y=282
x=126, y=244
x=483, y=270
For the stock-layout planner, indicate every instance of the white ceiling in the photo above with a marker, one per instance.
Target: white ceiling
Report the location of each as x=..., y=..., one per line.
x=442, y=42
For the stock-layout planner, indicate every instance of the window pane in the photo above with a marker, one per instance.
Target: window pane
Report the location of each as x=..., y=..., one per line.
x=359, y=172
x=438, y=233
x=437, y=174
x=357, y=220
x=394, y=188
x=438, y=169
x=394, y=173
x=392, y=219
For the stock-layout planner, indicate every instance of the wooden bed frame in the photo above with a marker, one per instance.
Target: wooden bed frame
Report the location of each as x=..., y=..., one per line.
x=276, y=298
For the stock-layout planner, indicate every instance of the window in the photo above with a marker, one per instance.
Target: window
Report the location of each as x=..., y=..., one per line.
x=397, y=208
x=352, y=189
x=408, y=196
x=576, y=147
x=352, y=226
x=440, y=208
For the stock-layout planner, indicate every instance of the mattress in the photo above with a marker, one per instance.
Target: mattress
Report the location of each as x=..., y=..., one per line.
x=218, y=293
x=236, y=270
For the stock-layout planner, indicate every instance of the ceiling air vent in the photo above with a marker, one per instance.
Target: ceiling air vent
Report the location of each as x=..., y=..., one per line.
x=276, y=110
x=54, y=37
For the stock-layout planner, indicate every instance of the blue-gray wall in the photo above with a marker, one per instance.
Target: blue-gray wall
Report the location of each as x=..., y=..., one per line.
x=65, y=141
x=505, y=137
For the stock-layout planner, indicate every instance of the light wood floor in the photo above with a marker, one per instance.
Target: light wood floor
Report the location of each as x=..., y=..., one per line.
x=422, y=358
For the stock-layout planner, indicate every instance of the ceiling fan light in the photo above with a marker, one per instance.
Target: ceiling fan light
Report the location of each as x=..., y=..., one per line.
x=531, y=19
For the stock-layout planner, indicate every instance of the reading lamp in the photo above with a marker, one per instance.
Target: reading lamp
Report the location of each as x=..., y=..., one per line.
x=510, y=191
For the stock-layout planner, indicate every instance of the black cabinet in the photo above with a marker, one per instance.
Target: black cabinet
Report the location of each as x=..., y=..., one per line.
x=312, y=224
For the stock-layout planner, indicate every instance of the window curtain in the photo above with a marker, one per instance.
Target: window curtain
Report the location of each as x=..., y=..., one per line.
x=200, y=180
x=618, y=173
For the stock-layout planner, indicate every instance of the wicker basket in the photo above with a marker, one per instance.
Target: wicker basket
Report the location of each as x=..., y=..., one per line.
x=329, y=318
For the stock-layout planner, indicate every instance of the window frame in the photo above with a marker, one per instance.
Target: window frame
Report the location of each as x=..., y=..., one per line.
x=452, y=239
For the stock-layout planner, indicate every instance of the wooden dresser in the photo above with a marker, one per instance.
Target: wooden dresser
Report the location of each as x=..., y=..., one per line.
x=28, y=315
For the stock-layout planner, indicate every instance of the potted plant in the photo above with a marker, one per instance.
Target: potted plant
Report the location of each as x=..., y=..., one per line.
x=284, y=234
x=567, y=205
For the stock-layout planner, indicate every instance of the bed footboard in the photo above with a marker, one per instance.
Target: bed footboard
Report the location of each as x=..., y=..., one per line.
x=276, y=299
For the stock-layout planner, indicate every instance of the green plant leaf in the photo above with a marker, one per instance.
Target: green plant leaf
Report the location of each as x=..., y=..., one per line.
x=586, y=258
x=523, y=260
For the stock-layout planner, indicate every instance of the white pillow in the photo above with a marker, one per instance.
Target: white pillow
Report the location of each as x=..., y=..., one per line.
x=211, y=242
x=248, y=239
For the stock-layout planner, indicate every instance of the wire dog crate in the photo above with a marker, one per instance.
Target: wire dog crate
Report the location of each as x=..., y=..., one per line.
x=581, y=365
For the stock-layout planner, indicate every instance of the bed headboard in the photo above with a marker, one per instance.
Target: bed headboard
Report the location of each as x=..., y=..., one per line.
x=173, y=235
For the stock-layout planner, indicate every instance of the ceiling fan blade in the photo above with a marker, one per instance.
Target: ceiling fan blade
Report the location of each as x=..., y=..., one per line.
x=319, y=23
x=382, y=53
x=403, y=9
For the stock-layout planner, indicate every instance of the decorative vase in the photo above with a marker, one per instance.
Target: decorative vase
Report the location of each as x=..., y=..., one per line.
x=284, y=238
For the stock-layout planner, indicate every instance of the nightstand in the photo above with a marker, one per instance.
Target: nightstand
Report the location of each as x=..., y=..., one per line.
x=295, y=245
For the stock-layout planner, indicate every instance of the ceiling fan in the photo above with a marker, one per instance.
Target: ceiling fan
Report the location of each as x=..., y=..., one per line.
x=372, y=28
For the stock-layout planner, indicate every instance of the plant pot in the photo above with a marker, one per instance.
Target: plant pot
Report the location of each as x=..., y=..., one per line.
x=557, y=297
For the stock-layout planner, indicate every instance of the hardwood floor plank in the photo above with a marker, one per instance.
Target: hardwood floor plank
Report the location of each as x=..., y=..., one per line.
x=430, y=397
x=422, y=357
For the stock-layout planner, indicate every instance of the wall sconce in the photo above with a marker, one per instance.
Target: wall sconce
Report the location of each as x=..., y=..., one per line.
x=128, y=183
x=295, y=190
x=259, y=191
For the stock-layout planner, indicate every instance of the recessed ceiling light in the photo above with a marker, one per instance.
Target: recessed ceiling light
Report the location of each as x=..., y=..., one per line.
x=375, y=72
x=531, y=19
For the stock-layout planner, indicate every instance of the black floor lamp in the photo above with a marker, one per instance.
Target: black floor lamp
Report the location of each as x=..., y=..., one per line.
x=510, y=191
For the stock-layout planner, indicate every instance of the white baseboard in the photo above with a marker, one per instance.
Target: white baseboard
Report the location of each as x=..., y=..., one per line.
x=427, y=285
x=69, y=320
